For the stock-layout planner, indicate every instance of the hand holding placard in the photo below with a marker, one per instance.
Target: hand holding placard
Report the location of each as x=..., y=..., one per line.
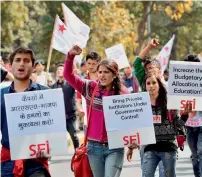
x=41, y=155
x=130, y=151
x=187, y=109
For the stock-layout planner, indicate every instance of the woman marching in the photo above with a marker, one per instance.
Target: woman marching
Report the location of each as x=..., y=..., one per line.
x=165, y=148
x=104, y=162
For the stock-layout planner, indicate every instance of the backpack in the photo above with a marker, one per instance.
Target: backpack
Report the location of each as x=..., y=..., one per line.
x=181, y=136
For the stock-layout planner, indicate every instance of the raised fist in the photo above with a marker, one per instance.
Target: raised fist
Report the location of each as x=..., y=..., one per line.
x=154, y=43
x=75, y=50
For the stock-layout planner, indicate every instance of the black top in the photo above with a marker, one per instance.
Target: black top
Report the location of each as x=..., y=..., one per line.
x=166, y=131
x=69, y=98
x=3, y=74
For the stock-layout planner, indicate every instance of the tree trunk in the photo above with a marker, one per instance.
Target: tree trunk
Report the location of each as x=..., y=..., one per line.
x=142, y=27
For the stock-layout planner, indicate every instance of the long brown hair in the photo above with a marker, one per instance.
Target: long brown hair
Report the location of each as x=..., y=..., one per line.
x=113, y=67
x=162, y=97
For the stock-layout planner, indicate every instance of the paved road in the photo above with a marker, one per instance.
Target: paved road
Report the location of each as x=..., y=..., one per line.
x=60, y=166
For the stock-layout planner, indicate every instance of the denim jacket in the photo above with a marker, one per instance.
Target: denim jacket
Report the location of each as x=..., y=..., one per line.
x=4, y=127
x=7, y=167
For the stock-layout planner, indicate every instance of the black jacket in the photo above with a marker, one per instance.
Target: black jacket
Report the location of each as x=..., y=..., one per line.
x=3, y=74
x=69, y=98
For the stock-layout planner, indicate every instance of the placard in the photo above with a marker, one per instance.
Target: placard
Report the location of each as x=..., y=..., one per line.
x=36, y=121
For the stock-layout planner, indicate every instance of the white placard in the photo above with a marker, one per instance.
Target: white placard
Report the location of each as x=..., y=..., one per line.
x=38, y=114
x=179, y=102
x=25, y=147
x=126, y=115
x=185, y=84
x=195, y=119
x=127, y=112
x=142, y=136
x=118, y=54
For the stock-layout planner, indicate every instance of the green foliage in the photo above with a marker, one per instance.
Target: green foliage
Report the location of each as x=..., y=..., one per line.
x=26, y=23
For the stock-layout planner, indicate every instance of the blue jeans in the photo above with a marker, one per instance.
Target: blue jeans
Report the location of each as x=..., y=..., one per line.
x=160, y=165
x=151, y=160
x=105, y=162
x=194, y=139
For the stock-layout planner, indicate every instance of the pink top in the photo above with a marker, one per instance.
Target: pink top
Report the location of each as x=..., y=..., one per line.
x=97, y=130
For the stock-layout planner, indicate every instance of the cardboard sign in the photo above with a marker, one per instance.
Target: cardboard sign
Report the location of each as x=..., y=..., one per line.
x=128, y=114
x=36, y=121
x=185, y=85
x=118, y=54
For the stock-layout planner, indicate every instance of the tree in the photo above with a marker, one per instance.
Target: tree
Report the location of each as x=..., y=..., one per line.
x=13, y=24
x=110, y=22
x=110, y=25
x=188, y=34
x=21, y=27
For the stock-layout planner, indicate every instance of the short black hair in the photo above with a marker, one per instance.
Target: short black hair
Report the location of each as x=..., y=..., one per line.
x=192, y=58
x=83, y=63
x=22, y=50
x=60, y=64
x=153, y=62
x=40, y=61
x=93, y=56
x=146, y=60
x=166, y=71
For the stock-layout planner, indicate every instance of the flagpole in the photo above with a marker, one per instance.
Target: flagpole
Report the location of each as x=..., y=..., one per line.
x=50, y=52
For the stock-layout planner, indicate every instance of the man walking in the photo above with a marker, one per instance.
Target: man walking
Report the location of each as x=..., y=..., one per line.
x=69, y=100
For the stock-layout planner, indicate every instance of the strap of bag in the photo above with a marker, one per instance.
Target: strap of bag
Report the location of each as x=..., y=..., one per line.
x=89, y=113
x=169, y=116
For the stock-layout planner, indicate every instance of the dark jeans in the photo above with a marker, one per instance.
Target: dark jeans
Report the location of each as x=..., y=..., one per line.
x=194, y=139
x=71, y=128
x=160, y=165
x=38, y=174
x=151, y=160
x=7, y=170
